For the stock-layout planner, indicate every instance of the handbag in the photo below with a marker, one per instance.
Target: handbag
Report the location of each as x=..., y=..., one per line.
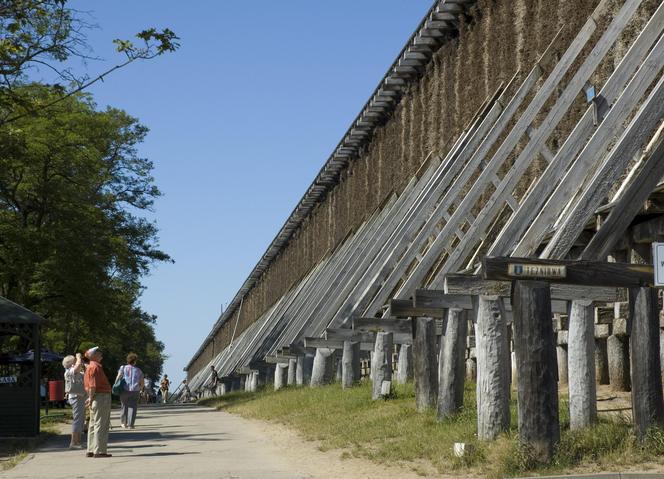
x=119, y=385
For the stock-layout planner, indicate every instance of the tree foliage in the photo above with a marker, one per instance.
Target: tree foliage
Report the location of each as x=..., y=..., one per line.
x=43, y=34
x=73, y=245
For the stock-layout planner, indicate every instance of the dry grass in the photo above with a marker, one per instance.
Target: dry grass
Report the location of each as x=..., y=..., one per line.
x=393, y=432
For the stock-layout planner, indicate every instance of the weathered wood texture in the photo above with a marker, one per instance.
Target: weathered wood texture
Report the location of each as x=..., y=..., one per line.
x=382, y=365
x=405, y=364
x=292, y=369
x=562, y=358
x=305, y=363
x=617, y=349
x=536, y=363
x=471, y=369
x=350, y=363
x=647, y=398
x=425, y=364
x=493, y=368
x=280, y=376
x=591, y=273
x=601, y=361
x=452, y=364
x=581, y=349
x=323, y=368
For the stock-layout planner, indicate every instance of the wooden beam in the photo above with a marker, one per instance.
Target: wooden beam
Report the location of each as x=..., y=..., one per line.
x=590, y=273
x=345, y=334
x=427, y=298
x=403, y=308
x=321, y=343
x=397, y=326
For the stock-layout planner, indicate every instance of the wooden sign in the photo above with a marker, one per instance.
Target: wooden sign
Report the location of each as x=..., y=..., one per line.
x=544, y=271
x=588, y=273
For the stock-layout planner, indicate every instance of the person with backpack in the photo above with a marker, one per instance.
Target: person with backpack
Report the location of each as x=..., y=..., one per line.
x=132, y=387
x=76, y=397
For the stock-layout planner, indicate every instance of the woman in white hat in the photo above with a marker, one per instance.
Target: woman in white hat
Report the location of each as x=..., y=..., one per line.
x=76, y=395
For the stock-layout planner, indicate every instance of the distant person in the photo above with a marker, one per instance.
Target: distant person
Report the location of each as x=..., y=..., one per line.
x=186, y=392
x=75, y=391
x=163, y=387
x=99, y=401
x=214, y=381
x=134, y=385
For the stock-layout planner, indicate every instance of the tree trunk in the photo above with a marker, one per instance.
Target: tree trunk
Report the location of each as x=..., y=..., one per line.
x=535, y=345
x=493, y=368
x=647, y=399
x=581, y=349
x=425, y=364
x=350, y=362
x=452, y=364
x=382, y=365
x=323, y=369
x=405, y=365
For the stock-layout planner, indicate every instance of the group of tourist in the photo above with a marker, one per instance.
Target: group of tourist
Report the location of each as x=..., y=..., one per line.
x=87, y=387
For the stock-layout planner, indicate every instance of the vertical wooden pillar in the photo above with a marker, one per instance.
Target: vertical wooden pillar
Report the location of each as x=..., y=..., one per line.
x=303, y=371
x=618, y=359
x=601, y=361
x=323, y=367
x=425, y=364
x=562, y=359
x=292, y=366
x=253, y=381
x=493, y=368
x=452, y=364
x=534, y=344
x=382, y=366
x=471, y=370
x=647, y=399
x=581, y=349
x=338, y=372
x=280, y=376
x=405, y=364
x=661, y=350
x=350, y=364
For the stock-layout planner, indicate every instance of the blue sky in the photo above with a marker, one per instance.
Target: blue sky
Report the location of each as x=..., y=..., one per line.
x=242, y=117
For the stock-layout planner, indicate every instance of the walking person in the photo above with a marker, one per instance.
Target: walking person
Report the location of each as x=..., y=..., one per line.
x=99, y=401
x=213, y=383
x=134, y=385
x=76, y=396
x=163, y=387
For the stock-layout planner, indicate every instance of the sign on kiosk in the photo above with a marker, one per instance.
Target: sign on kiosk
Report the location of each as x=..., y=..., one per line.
x=658, y=263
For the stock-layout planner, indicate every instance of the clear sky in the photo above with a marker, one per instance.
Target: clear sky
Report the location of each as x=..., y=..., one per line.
x=242, y=117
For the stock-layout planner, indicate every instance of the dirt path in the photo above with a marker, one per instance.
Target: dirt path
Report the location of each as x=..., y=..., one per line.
x=196, y=442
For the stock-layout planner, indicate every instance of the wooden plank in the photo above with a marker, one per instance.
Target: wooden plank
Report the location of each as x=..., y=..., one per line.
x=590, y=273
x=403, y=308
x=321, y=343
x=397, y=326
x=635, y=137
x=427, y=298
x=345, y=334
x=276, y=360
x=533, y=216
x=476, y=285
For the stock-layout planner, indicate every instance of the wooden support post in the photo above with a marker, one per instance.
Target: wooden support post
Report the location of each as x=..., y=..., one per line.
x=534, y=344
x=292, y=367
x=452, y=364
x=323, y=368
x=280, y=376
x=618, y=359
x=254, y=382
x=562, y=360
x=493, y=368
x=647, y=398
x=242, y=381
x=581, y=348
x=661, y=350
x=425, y=367
x=471, y=370
x=305, y=364
x=601, y=361
x=405, y=364
x=338, y=373
x=350, y=362
x=382, y=366
x=515, y=373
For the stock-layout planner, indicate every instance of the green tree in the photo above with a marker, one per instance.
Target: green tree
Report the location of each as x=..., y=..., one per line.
x=43, y=34
x=73, y=242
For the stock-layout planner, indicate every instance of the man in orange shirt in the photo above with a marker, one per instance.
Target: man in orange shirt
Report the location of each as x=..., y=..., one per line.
x=99, y=401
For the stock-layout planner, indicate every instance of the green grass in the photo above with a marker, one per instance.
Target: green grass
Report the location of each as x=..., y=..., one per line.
x=15, y=450
x=393, y=432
